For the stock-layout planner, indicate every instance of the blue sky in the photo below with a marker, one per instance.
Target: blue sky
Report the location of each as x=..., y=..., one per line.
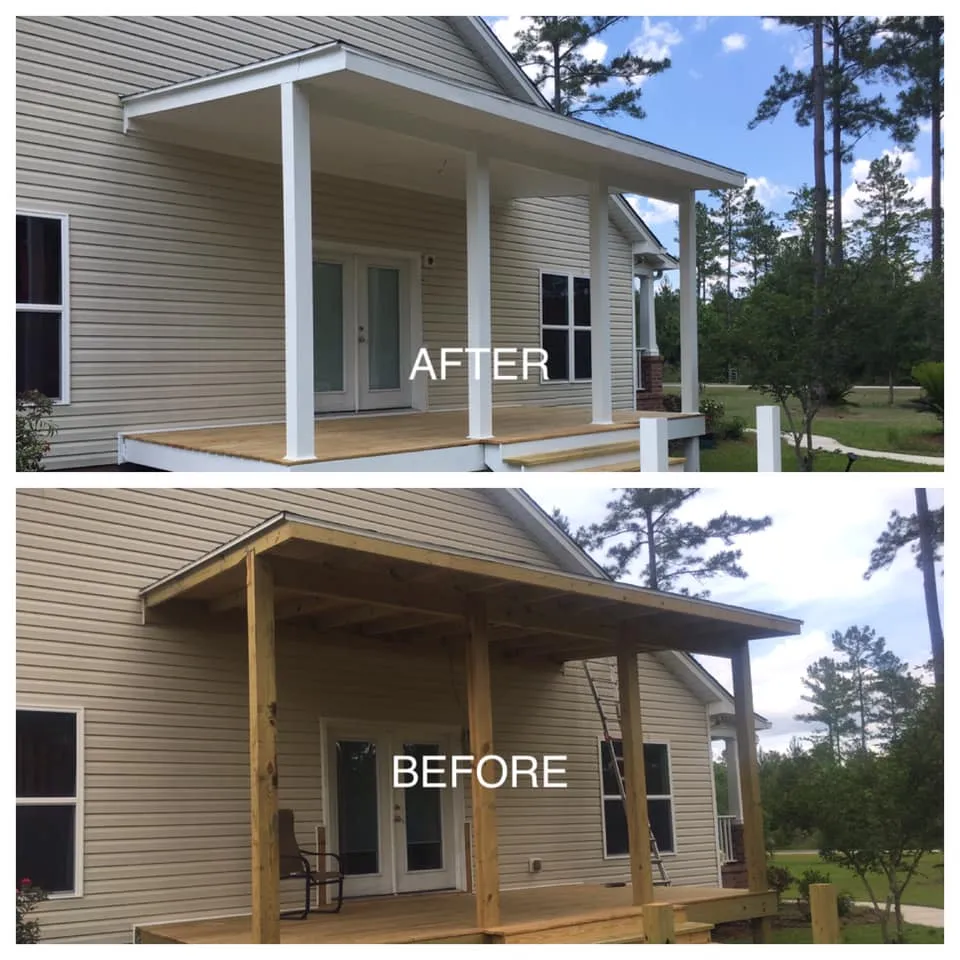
x=721, y=67
x=808, y=564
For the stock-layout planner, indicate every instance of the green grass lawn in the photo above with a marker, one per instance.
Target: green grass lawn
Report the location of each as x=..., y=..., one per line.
x=925, y=888
x=854, y=933
x=866, y=421
x=740, y=456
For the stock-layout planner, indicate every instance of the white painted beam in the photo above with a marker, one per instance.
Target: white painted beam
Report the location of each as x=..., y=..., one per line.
x=689, y=361
x=654, y=450
x=297, y=271
x=769, y=448
x=479, y=368
x=602, y=386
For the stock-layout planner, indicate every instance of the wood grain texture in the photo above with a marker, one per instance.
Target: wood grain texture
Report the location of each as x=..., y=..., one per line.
x=265, y=856
x=824, y=915
x=341, y=438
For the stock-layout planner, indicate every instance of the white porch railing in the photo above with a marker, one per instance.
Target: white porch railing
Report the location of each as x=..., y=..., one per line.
x=725, y=836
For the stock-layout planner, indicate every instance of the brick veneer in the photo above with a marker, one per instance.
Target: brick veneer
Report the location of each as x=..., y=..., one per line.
x=651, y=376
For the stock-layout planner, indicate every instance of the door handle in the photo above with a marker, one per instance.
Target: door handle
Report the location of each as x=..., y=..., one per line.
x=361, y=339
x=397, y=815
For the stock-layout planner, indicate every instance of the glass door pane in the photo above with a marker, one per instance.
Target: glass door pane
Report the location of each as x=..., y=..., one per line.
x=358, y=809
x=328, y=327
x=423, y=816
x=383, y=316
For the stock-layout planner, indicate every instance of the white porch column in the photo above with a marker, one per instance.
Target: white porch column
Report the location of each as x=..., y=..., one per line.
x=602, y=387
x=649, y=291
x=479, y=389
x=732, y=762
x=689, y=364
x=297, y=271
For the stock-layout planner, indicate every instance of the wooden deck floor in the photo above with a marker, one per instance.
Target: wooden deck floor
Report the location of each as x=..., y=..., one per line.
x=449, y=917
x=346, y=437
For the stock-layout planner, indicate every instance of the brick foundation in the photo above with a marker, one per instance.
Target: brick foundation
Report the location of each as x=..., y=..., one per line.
x=651, y=376
x=734, y=874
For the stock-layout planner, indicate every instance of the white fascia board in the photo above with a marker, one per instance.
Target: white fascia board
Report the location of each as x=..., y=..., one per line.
x=302, y=65
x=337, y=57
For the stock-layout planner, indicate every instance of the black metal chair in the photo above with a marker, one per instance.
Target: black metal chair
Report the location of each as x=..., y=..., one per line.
x=295, y=866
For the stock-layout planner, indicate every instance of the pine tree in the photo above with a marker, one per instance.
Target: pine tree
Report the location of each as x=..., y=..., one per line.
x=760, y=236
x=896, y=696
x=832, y=696
x=555, y=49
x=860, y=647
x=709, y=250
x=912, y=55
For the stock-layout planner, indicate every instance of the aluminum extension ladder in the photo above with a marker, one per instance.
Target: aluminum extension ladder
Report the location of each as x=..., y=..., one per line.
x=655, y=857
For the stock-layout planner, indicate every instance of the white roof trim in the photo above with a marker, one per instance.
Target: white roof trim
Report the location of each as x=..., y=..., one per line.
x=615, y=150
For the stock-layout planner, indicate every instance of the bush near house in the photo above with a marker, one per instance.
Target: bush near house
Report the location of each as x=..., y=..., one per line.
x=34, y=429
x=930, y=378
x=28, y=896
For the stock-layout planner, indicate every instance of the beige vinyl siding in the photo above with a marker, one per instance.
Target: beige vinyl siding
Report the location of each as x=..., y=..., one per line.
x=166, y=788
x=176, y=292
x=552, y=234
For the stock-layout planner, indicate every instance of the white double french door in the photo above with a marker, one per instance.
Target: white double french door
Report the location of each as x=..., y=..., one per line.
x=361, y=332
x=390, y=840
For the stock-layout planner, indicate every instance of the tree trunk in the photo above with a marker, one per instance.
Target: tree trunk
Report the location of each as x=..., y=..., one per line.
x=930, y=584
x=651, y=553
x=808, y=459
x=936, y=230
x=835, y=121
x=819, y=159
x=890, y=387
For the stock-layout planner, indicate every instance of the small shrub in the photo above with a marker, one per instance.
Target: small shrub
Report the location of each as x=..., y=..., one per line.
x=811, y=875
x=844, y=904
x=930, y=378
x=34, y=429
x=672, y=402
x=779, y=879
x=713, y=411
x=733, y=428
x=28, y=896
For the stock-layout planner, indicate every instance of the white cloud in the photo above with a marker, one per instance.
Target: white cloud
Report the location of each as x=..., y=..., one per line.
x=734, y=42
x=772, y=25
x=767, y=192
x=655, y=40
x=654, y=212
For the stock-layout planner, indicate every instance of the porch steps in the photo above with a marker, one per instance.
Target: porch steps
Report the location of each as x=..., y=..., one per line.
x=674, y=465
x=620, y=925
x=606, y=457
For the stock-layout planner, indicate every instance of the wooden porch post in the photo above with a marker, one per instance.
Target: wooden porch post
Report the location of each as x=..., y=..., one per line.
x=480, y=718
x=689, y=361
x=264, y=845
x=297, y=271
x=479, y=388
x=753, y=843
x=634, y=773
x=600, y=351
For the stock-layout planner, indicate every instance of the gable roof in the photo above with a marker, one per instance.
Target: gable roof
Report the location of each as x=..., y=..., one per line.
x=572, y=557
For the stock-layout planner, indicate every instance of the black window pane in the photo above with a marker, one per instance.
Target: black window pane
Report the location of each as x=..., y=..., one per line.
x=38, y=261
x=357, y=807
x=556, y=344
x=423, y=816
x=658, y=812
x=581, y=301
x=45, y=846
x=616, y=821
x=554, y=292
x=656, y=768
x=582, y=362
x=608, y=751
x=38, y=353
x=46, y=754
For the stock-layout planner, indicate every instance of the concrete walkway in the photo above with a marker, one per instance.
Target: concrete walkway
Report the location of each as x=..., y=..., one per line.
x=834, y=446
x=924, y=916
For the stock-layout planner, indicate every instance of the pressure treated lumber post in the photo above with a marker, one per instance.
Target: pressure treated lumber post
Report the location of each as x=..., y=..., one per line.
x=753, y=844
x=824, y=915
x=264, y=849
x=480, y=716
x=658, y=926
x=634, y=774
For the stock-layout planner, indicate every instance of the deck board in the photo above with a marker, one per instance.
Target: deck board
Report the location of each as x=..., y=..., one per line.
x=443, y=916
x=345, y=437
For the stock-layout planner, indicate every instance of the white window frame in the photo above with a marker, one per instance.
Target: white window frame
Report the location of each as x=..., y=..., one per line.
x=570, y=327
x=76, y=800
x=64, y=306
x=650, y=796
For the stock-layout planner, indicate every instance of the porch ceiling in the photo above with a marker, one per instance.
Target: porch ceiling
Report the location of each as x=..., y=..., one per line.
x=342, y=580
x=375, y=119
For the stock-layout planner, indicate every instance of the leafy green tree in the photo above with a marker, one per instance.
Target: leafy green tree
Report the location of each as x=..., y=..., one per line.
x=886, y=233
x=922, y=532
x=642, y=523
x=911, y=54
x=832, y=696
x=895, y=696
x=555, y=48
